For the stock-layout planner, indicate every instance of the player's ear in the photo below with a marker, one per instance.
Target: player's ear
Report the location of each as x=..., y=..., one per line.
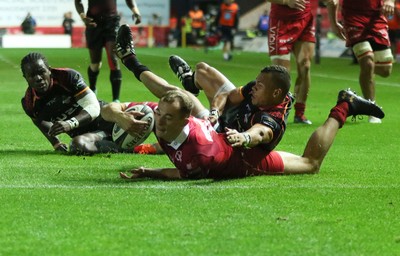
x=277, y=92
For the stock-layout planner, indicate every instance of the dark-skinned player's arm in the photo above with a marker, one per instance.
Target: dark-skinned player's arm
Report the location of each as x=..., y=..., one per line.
x=90, y=111
x=44, y=127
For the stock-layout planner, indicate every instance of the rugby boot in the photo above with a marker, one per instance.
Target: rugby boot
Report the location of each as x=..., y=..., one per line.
x=124, y=43
x=184, y=73
x=359, y=105
x=301, y=120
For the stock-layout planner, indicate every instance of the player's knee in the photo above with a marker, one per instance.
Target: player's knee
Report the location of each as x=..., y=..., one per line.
x=383, y=62
x=304, y=64
x=95, y=66
x=383, y=71
x=201, y=71
x=78, y=145
x=201, y=67
x=367, y=63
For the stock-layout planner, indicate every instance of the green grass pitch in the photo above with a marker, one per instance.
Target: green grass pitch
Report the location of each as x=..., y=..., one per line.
x=55, y=204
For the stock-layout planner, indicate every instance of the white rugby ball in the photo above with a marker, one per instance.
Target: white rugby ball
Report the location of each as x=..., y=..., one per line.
x=126, y=141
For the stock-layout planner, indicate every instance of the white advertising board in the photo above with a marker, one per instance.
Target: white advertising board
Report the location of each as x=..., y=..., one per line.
x=49, y=13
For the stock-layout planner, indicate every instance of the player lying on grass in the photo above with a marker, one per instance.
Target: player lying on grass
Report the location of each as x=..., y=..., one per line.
x=58, y=101
x=260, y=107
x=198, y=151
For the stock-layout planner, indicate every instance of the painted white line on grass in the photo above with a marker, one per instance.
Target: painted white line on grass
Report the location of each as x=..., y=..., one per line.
x=189, y=186
x=7, y=61
x=379, y=83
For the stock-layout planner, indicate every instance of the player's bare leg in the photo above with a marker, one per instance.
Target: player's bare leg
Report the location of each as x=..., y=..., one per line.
x=303, y=52
x=210, y=80
x=318, y=145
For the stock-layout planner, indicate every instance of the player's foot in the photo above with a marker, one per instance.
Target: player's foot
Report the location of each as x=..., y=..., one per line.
x=359, y=105
x=374, y=120
x=301, y=120
x=124, y=44
x=227, y=56
x=184, y=73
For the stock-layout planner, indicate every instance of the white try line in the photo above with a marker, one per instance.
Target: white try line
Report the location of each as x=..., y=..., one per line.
x=7, y=61
x=137, y=186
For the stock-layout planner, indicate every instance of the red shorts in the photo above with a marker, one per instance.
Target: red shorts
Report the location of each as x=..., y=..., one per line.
x=262, y=164
x=361, y=28
x=283, y=34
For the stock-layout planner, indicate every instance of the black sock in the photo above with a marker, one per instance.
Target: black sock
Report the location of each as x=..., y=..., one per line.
x=132, y=63
x=115, y=79
x=92, y=78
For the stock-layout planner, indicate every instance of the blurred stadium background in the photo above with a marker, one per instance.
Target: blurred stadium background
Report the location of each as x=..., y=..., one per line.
x=163, y=24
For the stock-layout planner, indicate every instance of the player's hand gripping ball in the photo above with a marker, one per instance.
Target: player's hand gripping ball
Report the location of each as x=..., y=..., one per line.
x=127, y=141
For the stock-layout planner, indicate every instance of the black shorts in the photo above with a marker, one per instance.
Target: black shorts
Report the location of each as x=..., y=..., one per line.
x=226, y=34
x=105, y=31
x=394, y=35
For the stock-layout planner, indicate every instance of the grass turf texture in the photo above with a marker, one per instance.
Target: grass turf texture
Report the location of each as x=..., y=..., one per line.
x=74, y=205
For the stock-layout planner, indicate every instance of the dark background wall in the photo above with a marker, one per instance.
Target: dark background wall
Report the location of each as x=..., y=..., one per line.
x=181, y=7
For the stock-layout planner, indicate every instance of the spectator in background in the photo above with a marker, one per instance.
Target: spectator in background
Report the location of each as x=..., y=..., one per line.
x=155, y=19
x=228, y=23
x=186, y=30
x=198, y=23
x=263, y=24
x=102, y=22
x=28, y=26
x=394, y=28
x=366, y=30
x=67, y=23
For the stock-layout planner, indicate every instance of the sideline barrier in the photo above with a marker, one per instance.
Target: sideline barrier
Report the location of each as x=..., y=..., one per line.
x=36, y=41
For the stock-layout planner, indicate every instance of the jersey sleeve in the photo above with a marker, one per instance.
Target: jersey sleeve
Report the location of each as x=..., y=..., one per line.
x=267, y=120
x=77, y=82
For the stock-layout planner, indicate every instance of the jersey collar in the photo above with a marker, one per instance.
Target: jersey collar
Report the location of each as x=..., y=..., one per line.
x=177, y=142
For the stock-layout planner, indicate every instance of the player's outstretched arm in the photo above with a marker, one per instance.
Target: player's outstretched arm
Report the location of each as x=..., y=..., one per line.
x=254, y=136
x=90, y=111
x=44, y=127
x=337, y=28
x=159, y=173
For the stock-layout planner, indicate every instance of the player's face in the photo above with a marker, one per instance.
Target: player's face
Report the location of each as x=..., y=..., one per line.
x=169, y=121
x=263, y=91
x=38, y=76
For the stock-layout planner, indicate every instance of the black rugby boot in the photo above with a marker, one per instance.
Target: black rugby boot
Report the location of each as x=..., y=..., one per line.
x=359, y=105
x=124, y=44
x=184, y=73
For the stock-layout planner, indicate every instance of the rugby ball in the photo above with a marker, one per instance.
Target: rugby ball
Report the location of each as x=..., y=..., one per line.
x=127, y=141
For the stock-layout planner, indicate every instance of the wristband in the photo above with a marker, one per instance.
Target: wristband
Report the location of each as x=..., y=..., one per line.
x=73, y=122
x=214, y=112
x=247, y=139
